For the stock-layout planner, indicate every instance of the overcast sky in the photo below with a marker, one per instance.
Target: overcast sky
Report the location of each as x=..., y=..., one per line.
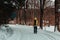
x=48, y=3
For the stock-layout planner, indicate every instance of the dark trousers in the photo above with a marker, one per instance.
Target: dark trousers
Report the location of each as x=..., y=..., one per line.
x=35, y=29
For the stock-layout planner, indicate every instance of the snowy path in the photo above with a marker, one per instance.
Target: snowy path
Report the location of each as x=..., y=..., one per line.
x=26, y=33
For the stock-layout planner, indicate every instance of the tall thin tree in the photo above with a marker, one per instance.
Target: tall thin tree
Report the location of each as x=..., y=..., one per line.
x=42, y=2
x=56, y=16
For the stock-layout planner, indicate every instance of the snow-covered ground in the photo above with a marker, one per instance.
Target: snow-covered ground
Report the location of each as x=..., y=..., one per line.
x=24, y=32
x=50, y=28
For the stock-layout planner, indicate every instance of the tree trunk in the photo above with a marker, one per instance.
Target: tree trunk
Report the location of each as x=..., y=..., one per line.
x=41, y=12
x=56, y=16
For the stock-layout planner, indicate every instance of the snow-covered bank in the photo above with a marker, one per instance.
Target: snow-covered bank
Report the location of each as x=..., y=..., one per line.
x=51, y=28
x=46, y=28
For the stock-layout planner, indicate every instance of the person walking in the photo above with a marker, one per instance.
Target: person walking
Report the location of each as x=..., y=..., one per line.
x=35, y=25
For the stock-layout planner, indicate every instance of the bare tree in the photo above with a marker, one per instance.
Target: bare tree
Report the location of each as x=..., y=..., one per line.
x=56, y=15
x=42, y=2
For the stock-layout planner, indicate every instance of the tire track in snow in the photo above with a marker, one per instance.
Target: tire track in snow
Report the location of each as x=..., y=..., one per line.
x=44, y=35
x=30, y=34
x=54, y=35
x=47, y=35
